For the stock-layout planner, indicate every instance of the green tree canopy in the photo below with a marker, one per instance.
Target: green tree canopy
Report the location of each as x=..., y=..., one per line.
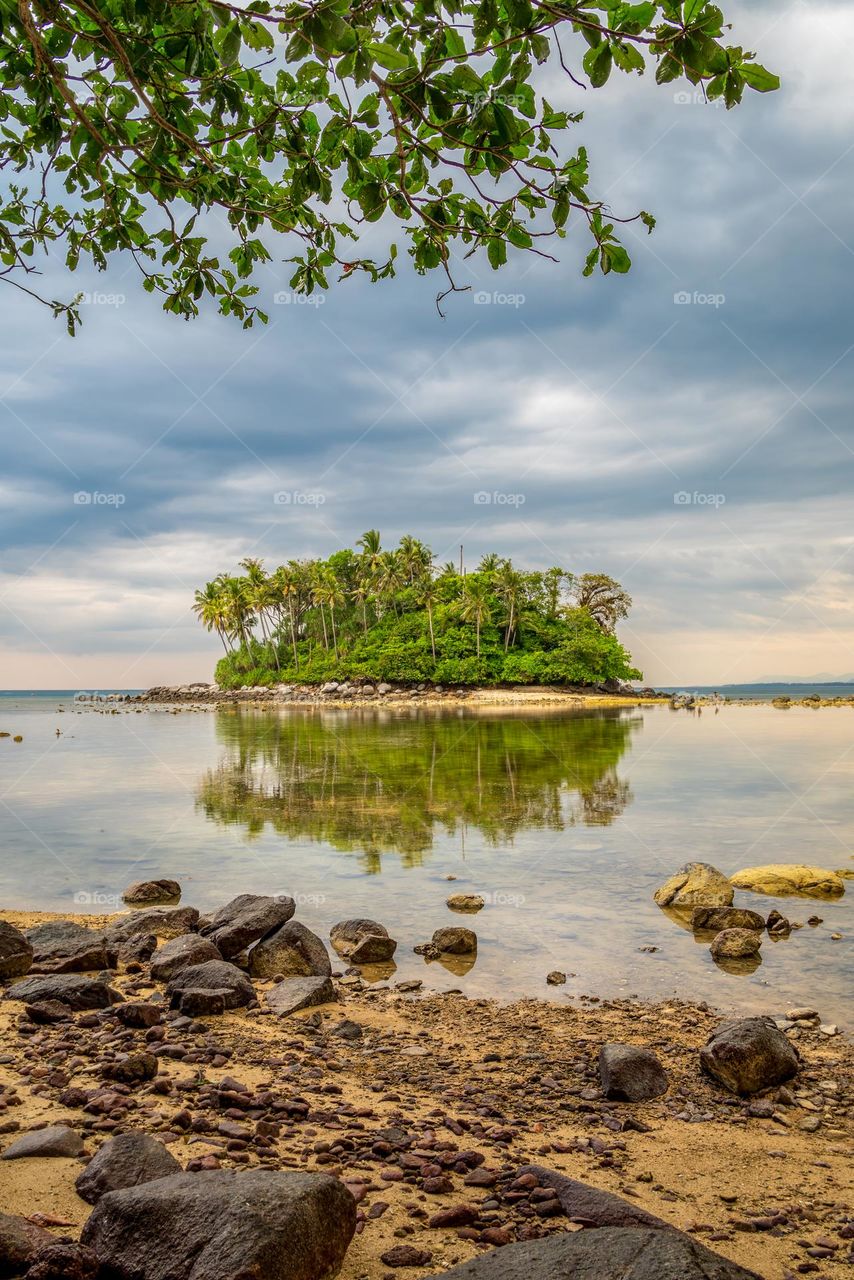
x=124, y=120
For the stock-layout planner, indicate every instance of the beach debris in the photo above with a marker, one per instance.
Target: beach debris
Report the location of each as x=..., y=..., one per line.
x=696, y=884
x=748, y=1055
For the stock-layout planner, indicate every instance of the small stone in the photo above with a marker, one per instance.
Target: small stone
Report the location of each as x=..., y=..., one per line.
x=556, y=978
x=56, y=1140
x=455, y=941
x=469, y=902
x=406, y=1255
x=631, y=1073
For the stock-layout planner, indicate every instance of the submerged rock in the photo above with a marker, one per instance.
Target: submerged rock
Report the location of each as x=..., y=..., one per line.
x=779, y=878
x=736, y=944
x=57, y=1140
x=631, y=1073
x=70, y=989
x=362, y=941
x=292, y=951
x=16, y=953
x=748, y=1055
x=455, y=941
x=245, y=919
x=127, y=1160
x=612, y=1253
x=719, y=918
x=299, y=993
x=180, y=953
x=221, y=1225
x=148, y=892
x=696, y=884
x=465, y=902
x=64, y=946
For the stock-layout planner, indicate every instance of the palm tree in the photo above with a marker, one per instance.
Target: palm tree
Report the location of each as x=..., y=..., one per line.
x=318, y=597
x=489, y=563
x=286, y=587
x=390, y=576
x=428, y=594
x=260, y=597
x=361, y=594
x=508, y=587
x=475, y=605
x=416, y=559
x=371, y=550
x=209, y=608
x=237, y=610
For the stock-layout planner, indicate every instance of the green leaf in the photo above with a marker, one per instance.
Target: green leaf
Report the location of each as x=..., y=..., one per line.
x=597, y=63
x=758, y=78
x=389, y=57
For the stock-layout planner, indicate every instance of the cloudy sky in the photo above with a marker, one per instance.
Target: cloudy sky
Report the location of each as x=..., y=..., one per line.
x=686, y=429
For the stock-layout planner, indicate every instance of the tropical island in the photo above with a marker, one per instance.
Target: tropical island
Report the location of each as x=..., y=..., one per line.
x=392, y=615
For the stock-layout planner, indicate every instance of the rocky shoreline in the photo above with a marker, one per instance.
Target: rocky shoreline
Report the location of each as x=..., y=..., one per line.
x=158, y=1059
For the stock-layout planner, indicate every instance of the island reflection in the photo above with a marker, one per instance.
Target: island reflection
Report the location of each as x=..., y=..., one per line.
x=377, y=783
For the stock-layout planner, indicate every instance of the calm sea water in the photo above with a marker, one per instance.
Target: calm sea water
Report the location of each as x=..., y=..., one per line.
x=565, y=821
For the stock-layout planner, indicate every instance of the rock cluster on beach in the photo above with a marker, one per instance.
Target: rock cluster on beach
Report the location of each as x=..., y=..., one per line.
x=223, y=1120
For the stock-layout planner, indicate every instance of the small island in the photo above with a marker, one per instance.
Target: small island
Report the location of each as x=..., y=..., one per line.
x=390, y=615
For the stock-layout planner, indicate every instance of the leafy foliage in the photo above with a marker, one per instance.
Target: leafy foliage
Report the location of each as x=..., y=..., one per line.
x=130, y=118
x=386, y=615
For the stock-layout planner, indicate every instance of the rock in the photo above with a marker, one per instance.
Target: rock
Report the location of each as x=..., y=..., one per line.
x=556, y=978
x=47, y=1012
x=631, y=1073
x=612, y=1253
x=455, y=941
x=362, y=941
x=148, y=892
x=63, y=946
x=293, y=951
x=245, y=919
x=718, y=918
x=406, y=1255
x=347, y=1029
x=16, y=953
x=735, y=944
x=70, y=989
x=125, y=1161
x=778, y=926
x=748, y=1055
x=137, y=1013
x=588, y=1205
x=137, y=950
x=180, y=953
x=163, y=922
x=696, y=884
x=56, y=1140
x=134, y=1068
x=221, y=1225
x=200, y=988
x=780, y=878
x=803, y=1015
x=465, y=902
x=64, y=1260
x=299, y=993
x=20, y=1241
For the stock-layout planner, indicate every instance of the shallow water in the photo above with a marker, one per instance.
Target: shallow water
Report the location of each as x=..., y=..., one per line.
x=565, y=821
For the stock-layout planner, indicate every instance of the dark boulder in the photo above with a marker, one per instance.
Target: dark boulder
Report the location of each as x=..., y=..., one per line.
x=717, y=918
x=163, y=922
x=299, y=993
x=20, y=1241
x=292, y=951
x=221, y=1225
x=63, y=946
x=127, y=1160
x=748, y=1055
x=133, y=1068
x=64, y=1260
x=180, y=953
x=589, y=1206
x=245, y=919
x=631, y=1073
x=362, y=941
x=148, y=892
x=201, y=988
x=138, y=1013
x=70, y=989
x=56, y=1140
x=16, y=953
x=613, y=1253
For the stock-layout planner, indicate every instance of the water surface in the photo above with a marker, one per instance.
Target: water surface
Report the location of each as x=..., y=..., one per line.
x=565, y=821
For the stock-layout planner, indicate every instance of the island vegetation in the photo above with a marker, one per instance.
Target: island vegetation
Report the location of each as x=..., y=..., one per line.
x=392, y=615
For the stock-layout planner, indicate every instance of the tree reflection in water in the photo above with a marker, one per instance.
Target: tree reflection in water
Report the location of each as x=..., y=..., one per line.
x=387, y=782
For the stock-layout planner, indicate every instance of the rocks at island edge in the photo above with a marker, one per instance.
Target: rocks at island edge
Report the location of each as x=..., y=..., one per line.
x=696, y=884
